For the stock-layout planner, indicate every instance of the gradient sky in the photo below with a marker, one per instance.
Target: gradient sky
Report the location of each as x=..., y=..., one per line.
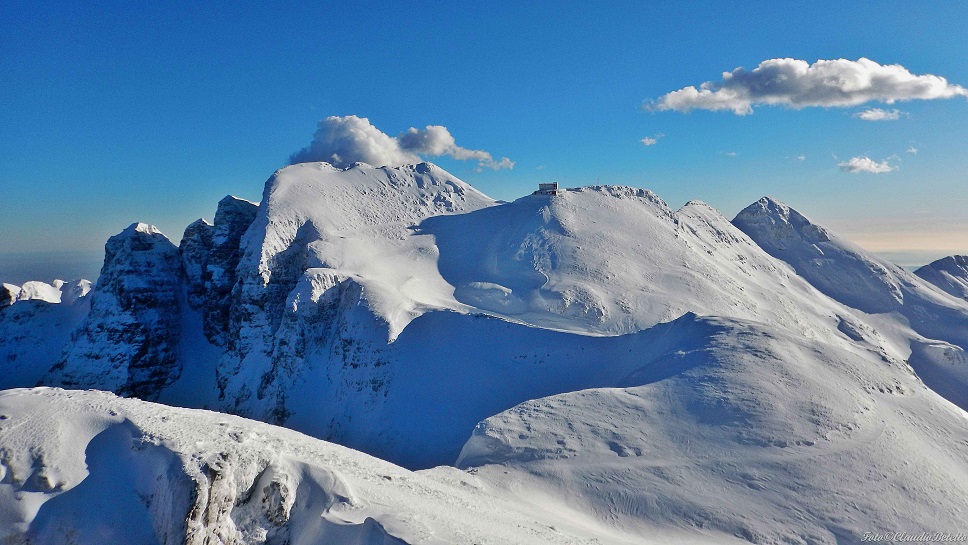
x=115, y=112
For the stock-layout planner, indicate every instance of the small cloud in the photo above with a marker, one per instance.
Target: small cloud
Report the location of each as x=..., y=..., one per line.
x=912, y=150
x=866, y=164
x=504, y=162
x=342, y=141
x=652, y=140
x=539, y=167
x=879, y=114
x=801, y=157
x=798, y=84
x=730, y=154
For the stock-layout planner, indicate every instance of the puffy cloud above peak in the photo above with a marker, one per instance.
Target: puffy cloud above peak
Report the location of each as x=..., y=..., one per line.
x=797, y=84
x=344, y=140
x=866, y=164
x=436, y=140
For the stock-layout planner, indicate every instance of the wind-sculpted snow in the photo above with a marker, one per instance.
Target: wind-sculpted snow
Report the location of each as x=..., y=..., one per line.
x=88, y=468
x=612, y=260
x=751, y=432
x=128, y=341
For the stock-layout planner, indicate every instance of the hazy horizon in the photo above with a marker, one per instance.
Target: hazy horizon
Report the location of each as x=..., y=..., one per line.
x=44, y=265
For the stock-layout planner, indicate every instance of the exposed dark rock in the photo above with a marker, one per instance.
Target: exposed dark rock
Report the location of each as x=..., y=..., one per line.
x=129, y=341
x=7, y=296
x=210, y=254
x=194, y=249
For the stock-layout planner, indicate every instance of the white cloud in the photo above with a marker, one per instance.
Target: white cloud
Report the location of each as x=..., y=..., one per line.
x=342, y=141
x=879, y=114
x=798, y=84
x=866, y=164
x=652, y=140
x=801, y=157
x=730, y=154
x=912, y=150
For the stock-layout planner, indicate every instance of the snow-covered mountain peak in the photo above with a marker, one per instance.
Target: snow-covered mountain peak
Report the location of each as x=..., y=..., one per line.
x=782, y=221
x=143, y=228
x=127, y=342
x=41, y=291
x=361, y=195
x=72, y=292
x=237, y=202
x=352, y=231
x=697, y=204
x=948, y=273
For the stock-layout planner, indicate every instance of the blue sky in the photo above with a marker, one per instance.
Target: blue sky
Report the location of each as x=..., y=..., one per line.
x=114, y=112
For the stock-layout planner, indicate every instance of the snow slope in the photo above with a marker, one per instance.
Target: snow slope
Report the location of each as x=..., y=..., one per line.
x=36, y=325
x=611, y=260
x=85, y=468
x=366, y=301
x=925, y=325
x=748, y=430
x=948, y=273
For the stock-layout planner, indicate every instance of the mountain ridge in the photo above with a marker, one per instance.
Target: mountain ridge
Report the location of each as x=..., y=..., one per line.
x=402, y=313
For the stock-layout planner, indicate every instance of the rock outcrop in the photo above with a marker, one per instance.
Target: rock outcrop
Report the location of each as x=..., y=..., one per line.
x=128, y=342
x=210, y=254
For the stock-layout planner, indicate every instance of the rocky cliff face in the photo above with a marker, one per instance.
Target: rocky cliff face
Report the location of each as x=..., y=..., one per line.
x=194, y=249
x=210, y=255
x=128, y=342
x=8, y=294
x=306, y=261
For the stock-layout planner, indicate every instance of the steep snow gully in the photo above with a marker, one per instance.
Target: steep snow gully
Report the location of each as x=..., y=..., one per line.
x=586, y=367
